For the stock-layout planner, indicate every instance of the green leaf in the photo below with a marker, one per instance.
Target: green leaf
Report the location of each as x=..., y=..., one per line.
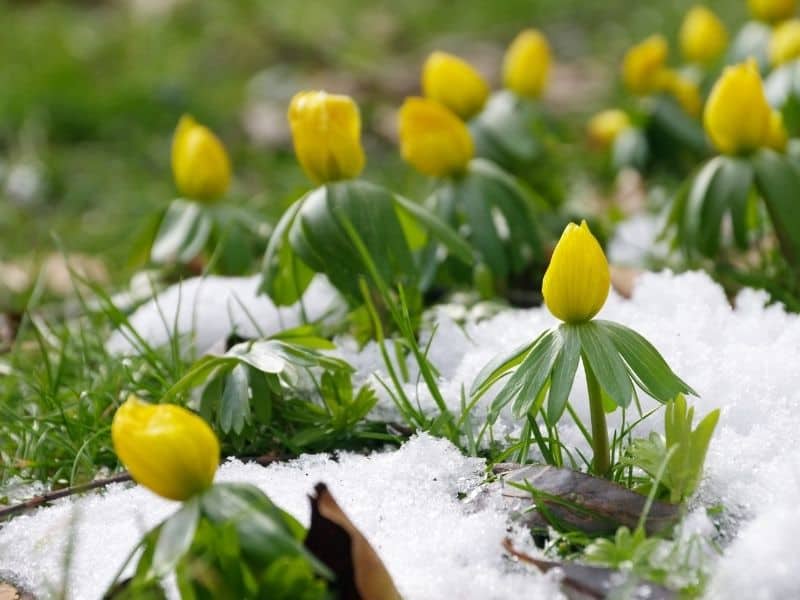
x=689, y=448
x=498, y=368
x=284, y=276
x=778, y=182
x=564, y=368
x=652, y=372
x=728, y=192
x=694, y=209
x=174, y=538
x=530, y=377
x=183, y=233
x=630, y=149
x=234, y=409
x=601, y=353
x=506, y=125
x=437, y=228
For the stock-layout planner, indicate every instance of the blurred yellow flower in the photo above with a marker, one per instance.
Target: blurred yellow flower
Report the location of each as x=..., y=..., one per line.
x=165, y=447
x=604, y=127
x=200, y=163
x=643, y=65
x=737, y=115
x=685, y=91
x=784, y=45
x=703, y=36
x=772, y=10
x=326, y=130
x=526, y=64
x=778, y=136
x=433, y=139
x=578, y=279
x=454, y=83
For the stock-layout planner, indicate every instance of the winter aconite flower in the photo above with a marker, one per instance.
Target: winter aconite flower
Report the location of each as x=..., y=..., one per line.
x=784, y=45
x=643, y=65
x=326, y=130
x=578, y=279
x=166, y=448
x=433, y=139
x=772, y=11
x=604, y=127
x=455, y=83
x=684, y=90
x=737, y=115
x=703, y=36
x=778, y=136
x=199, y=162
x=527, y=64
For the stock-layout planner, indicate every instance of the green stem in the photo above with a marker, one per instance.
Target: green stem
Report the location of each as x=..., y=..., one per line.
x=602, y=456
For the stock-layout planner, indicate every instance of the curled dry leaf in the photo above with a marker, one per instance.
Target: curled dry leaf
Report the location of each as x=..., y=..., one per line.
x=334, y=540
x=582, y=582
x=11, y=591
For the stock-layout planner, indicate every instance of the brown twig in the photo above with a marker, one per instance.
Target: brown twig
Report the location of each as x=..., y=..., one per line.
x=48, y=497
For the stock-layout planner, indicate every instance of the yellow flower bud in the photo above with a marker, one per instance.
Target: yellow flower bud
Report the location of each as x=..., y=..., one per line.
x=326, y=129
x=454, y=83
x=165, y=447
x=778, y=136
x=604, y=127
x=684, y=90
x=703, y=36
x=737, y=116
x=200, y=164
x=433, y=139
x=772, y=11
x=643, y=64
x=784, y=45
x=578, y=279
x=526, y=64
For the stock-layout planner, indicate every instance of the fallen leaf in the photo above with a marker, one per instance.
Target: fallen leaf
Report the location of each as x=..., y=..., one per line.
x=334, y=540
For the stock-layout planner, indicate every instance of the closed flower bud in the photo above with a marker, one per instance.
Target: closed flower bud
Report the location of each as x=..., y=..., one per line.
x=578, y=279
x=778, y=136
x=326, y=129
x=454, y=83
x=784, y=45
x=165, y=447
x=737, y=116
x=684, y=90
x=200, y=164
x=526, y=64
x=772, y=11
x=703, y=37
x=643, y=65
x=604, y=127
x=433, y=139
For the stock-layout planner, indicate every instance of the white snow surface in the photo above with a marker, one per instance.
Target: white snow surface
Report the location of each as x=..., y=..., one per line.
x=205, y=310
x=744, y=360
x=405, y=502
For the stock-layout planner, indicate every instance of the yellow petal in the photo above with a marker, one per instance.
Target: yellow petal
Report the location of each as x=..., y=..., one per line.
x=643, y=64
x=577, y=281
x=772, y=11
x=784, y=45
x=778, y=136
x=326, y=130
x=685, y=91
x=165, y=447
x=454, y=83
x=604, y=127
x=703, y=36
x=737, y=115
x=433, y=139
x=527, y=64
x=200, y=163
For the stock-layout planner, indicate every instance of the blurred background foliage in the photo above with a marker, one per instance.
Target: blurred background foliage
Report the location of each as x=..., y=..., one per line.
x=90, y=93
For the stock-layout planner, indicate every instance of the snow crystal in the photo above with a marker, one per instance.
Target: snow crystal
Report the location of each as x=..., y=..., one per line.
x=206, y=310
x=405, y=502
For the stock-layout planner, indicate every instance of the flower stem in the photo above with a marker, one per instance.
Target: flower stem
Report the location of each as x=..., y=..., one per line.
x=601, y=465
